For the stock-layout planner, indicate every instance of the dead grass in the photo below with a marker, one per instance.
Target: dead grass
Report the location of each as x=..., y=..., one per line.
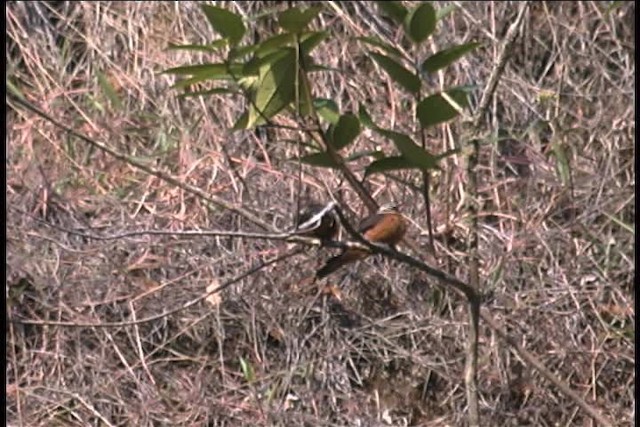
x=557, y=256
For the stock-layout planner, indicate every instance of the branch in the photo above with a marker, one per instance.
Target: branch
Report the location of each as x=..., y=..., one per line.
x=474, y=297
x=539, y=366
x=320, y=137
x=142, y=166
x=463, y=288
x=494, y=78
x=378, y=248
x=471, y=367
x=290, y=236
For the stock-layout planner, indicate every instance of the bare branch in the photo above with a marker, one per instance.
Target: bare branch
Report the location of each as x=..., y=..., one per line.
x=494, y=78
x=239, y=210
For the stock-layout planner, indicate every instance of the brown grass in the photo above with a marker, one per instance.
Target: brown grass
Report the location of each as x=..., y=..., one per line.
x=557, y=256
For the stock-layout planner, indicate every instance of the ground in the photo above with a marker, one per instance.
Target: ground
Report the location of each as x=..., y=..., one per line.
x=556, y=236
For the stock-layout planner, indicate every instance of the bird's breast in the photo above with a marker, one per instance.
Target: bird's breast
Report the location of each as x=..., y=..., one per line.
x=390, y=230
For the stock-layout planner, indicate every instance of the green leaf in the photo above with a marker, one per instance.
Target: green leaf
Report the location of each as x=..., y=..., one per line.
x=365, y=118
x=109, y=91
x=394, y=9
x=447, y=56
x=215, y=70
x=254, y=65
x=629, y=227
x=202, y=72
x=388, y=164
x=242, y=122
x=18, y=288
x=248, y=83
x=398, y=73
x=321, y=159
x=435, y=109
x=376, y=154
x=264, y=13
x=412, y=152
x=211, y=47
x=247, y=370
x=612, y=7
x=374, y=41
x=214, y=91
x=274, y=43
x=225, y=23
x=562, y=162
x=276, y=87
x=309, y=41
x=14, y=89
x=345, y=131
x=240, y=51
x=443, y=12
x=420, y=23
x=295, y=20
x=327, y=109
x=187, y=83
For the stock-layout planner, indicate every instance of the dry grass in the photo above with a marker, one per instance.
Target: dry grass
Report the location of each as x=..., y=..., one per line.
x=557, y=256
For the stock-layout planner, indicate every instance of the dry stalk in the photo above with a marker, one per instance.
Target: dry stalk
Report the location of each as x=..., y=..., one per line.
x=473, y=154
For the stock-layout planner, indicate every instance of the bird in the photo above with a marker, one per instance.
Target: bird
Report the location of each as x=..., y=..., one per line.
x=317, y=220
x=386, y=226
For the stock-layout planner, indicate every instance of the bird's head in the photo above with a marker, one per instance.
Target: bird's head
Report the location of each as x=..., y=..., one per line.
x=388, y=208
x=318, y=220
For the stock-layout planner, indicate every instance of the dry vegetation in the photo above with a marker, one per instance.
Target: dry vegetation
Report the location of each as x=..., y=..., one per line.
x=557, y=254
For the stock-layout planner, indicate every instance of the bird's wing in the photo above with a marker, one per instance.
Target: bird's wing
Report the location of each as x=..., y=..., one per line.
x=369, y=222
x=311, y=217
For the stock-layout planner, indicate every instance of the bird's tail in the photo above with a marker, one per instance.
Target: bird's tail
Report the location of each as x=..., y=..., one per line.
x=338, y=261
x=330, y=266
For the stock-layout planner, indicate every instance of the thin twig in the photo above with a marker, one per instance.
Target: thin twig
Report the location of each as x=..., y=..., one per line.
x=321, y=138
x=539, y=366
x=378, y=248
x=239, y=210
x=471, y=368
x=494, y=78
x=290, y=236
x=14, y=360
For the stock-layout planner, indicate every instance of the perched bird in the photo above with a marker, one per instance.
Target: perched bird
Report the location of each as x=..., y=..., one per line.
x=318, y=221
x=385, y=226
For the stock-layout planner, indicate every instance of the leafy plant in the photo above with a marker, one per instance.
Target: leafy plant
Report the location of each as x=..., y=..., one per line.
x=273, y=76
